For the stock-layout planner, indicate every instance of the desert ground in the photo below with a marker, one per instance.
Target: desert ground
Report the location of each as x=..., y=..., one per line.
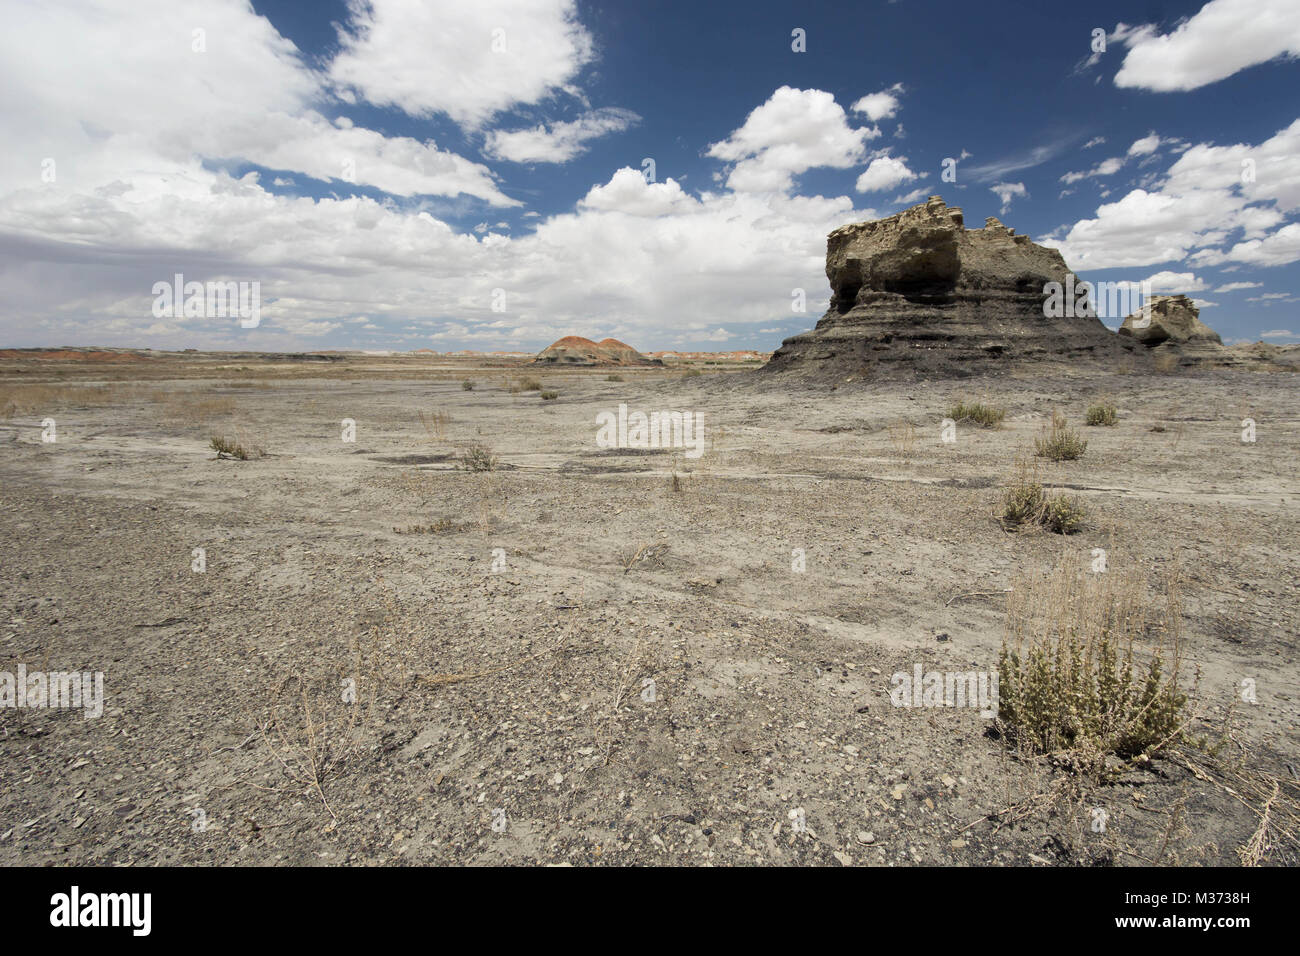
x=611, y=656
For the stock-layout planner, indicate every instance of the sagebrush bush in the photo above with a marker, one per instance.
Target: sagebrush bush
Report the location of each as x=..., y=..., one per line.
x=986, y=416
x=478, y=458
x=550, y=396
x=613, y=378
x=1061, y=443
x=1025, y=502
x=1090, y=666
x=467, y=385
x=1061, y=514
x=1102, y=414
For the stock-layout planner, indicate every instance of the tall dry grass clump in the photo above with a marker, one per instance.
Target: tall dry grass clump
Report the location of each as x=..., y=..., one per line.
x=1103, y=413
x=1060, y=442
x=977, y=413
x=435, y=425
x=41, y=399
x=1090, y=664
x=237, y=446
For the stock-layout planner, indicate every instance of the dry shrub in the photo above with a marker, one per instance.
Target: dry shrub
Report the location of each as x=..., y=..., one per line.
x=478, y=457
x=435, y=425
x=1061, y=443
x=1025, y=502
x=986, y=416
x=1062, y=514
x=239, y=447
x=1089, y=665
x=1103, y=413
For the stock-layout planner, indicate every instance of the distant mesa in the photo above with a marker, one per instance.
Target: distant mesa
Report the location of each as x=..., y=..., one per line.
x=919, y=295
x=576, y=351
x=740, y=355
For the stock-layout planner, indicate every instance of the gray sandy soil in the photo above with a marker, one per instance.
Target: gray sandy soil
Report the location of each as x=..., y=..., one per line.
x=643, y=678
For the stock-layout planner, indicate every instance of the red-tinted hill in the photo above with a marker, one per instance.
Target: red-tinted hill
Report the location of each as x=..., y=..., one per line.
x=576, y=350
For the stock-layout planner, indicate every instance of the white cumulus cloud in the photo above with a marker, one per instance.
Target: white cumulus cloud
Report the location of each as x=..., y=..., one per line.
x=469, y=61
x=884, y=172
x=794, y=131
x=1175, y=282
x=1222, y=38
x=559, y=142
x=882, y=105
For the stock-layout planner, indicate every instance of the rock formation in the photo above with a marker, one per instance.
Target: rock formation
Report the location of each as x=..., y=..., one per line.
x=575, y=350
x=1170, y=326
x=1169, y=319
x=920, y=294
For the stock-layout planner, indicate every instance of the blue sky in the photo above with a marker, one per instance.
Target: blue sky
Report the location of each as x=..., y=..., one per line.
x=451, y=175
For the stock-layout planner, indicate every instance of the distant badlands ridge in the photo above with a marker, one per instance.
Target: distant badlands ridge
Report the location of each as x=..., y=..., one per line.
x=578, y=352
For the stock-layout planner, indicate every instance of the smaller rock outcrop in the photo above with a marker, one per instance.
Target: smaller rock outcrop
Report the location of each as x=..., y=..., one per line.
x=1171, y=319
x=1170, y=325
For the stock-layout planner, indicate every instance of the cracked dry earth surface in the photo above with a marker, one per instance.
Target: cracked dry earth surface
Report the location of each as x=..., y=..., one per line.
x=387, y=659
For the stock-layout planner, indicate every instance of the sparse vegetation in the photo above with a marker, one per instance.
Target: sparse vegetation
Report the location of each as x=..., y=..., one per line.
x=1025, y=502
x=1103, y=413
x=467, y=385
x=1061, y=443
x=226, y=447
x=478, y=457
x=1062, y=514
x=41, y=399
x=550, y=396
x=435, y=425
x=692, y=373
x=613, y=378
x=443, y=525
x=529, y=385
x=1089, y=669
x=986, y=416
